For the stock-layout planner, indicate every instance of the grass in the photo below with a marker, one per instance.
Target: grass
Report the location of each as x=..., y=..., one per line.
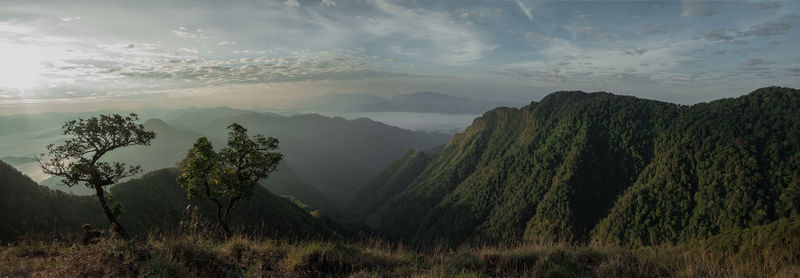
x=198, y=256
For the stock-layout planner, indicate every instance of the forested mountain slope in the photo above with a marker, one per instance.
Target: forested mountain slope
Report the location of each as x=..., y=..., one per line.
x=634, y=171
x=154, y=201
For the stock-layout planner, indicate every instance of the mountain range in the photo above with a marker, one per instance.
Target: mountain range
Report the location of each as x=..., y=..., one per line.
x=421, y=102
x=574, y=166
x=326, y=158
x=599, y=167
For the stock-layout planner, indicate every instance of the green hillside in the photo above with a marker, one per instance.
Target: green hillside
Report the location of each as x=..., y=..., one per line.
x=724, y=165
x=154, y=201
x=30, y=208
x=391, y=181
x=158, y=194
x=616, y=168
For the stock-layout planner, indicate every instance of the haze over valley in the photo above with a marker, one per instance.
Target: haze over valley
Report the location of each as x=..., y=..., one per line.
x=393, y=138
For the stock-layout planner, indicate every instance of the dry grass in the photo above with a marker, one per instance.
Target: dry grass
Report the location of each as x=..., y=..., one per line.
x=171, y=256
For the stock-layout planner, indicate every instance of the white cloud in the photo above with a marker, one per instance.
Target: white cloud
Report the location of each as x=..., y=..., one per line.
x=697, y=8
x=328, y=3
x=185, y=33
x=566, y=63
x=524, y=8
x=292, y=3
x=450, y=43
x=69, y=18
x=223, y=43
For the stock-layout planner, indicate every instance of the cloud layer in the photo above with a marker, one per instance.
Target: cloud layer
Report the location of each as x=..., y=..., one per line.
x=682, y=51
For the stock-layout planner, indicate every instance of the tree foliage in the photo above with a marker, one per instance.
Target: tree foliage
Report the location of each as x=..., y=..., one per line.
x=612, y=168
x=230, y=174
x=78, y=158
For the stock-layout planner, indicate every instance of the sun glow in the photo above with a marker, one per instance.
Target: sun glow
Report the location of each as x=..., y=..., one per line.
x=20, y=66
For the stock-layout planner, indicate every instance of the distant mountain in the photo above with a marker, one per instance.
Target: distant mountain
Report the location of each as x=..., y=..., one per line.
x=154, y=201
x=422, y=102
x=333, y=154
x=601, y=167
x=170, y=146
x=326, y=158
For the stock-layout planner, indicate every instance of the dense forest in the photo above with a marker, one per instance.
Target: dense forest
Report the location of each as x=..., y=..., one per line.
x=601, y=167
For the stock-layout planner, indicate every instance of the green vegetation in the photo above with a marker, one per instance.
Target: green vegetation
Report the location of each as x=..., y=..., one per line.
x=153, y=202
x=576, y=185
x=607, y=168
x=391, y=181
x=230, y=174
x=77, y=160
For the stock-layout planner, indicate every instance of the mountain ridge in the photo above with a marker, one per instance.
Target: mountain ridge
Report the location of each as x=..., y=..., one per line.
x=420, y=102
x=558, y=169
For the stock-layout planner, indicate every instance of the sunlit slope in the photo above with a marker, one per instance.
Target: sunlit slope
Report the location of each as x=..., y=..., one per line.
x=723, y=165
x=653, y=171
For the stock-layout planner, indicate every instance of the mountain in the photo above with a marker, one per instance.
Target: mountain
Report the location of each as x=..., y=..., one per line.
x=332, y=154
x=327, y=157
x=29, y=208
x=421, y=102
x=602, y=167
x=169, y=147
x=154, y=201
x=389, y=182
x=359, y=102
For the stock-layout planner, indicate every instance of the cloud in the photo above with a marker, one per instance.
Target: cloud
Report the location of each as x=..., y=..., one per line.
x=525, y=9
x=291, y=3
x=582, y=25
x=756, y=64
x=563, y=63
x=696, y=8
x=223, y=43
x=70, y=18
x=425, y=34
x=659, y=29
x=183, y=32
x=766, y=29
x=121, y=69
x=327, y=3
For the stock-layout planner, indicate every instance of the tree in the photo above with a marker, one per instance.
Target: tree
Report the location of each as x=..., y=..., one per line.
x=231, y=174
x=78, y=158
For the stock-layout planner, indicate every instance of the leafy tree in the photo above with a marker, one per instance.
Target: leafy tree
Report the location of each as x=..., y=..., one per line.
x=232, y=173
x=78, y=158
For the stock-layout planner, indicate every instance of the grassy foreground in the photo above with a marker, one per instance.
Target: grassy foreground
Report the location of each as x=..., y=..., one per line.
x=195, y=256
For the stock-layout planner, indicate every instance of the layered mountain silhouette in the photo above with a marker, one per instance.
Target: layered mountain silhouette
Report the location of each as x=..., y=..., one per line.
x=326, y=158
x=334, y=155
x=602, y=167
x=421, y=102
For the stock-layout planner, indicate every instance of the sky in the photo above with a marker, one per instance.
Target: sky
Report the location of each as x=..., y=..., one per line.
x=85, y=54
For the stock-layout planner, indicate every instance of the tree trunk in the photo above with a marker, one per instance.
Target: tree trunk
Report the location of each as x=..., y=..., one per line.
x=111, y=217
x=223, y=221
